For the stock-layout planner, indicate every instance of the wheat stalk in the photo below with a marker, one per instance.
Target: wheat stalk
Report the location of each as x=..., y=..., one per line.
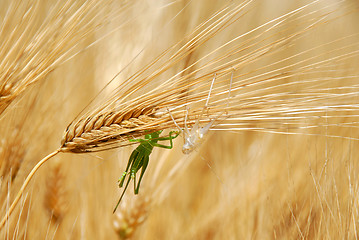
x=26, y=182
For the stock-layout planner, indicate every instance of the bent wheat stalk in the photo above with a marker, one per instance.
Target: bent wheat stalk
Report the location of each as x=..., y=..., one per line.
x=26, y=182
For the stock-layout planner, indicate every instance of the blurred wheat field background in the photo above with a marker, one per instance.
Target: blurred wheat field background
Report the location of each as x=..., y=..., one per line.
x=264, y=172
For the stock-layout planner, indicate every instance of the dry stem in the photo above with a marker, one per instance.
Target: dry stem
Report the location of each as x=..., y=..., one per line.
x=24, y=185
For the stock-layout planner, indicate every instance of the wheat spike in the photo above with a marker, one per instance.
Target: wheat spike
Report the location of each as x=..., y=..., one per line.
x=55, y=196
x=11, y=155
x=130, y=216
x=35, y=47
x=104, y=129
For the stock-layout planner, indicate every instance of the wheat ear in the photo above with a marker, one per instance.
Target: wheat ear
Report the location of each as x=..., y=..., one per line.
x=55, y=198
x=131, y=217
x=27, y=57
x=24, y=185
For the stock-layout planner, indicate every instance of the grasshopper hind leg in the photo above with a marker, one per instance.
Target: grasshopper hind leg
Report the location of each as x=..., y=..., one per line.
x=144, y=166
x=133, y=156
x=123, y=193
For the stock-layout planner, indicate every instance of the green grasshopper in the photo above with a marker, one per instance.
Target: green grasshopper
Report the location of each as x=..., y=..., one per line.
x=140, y=157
